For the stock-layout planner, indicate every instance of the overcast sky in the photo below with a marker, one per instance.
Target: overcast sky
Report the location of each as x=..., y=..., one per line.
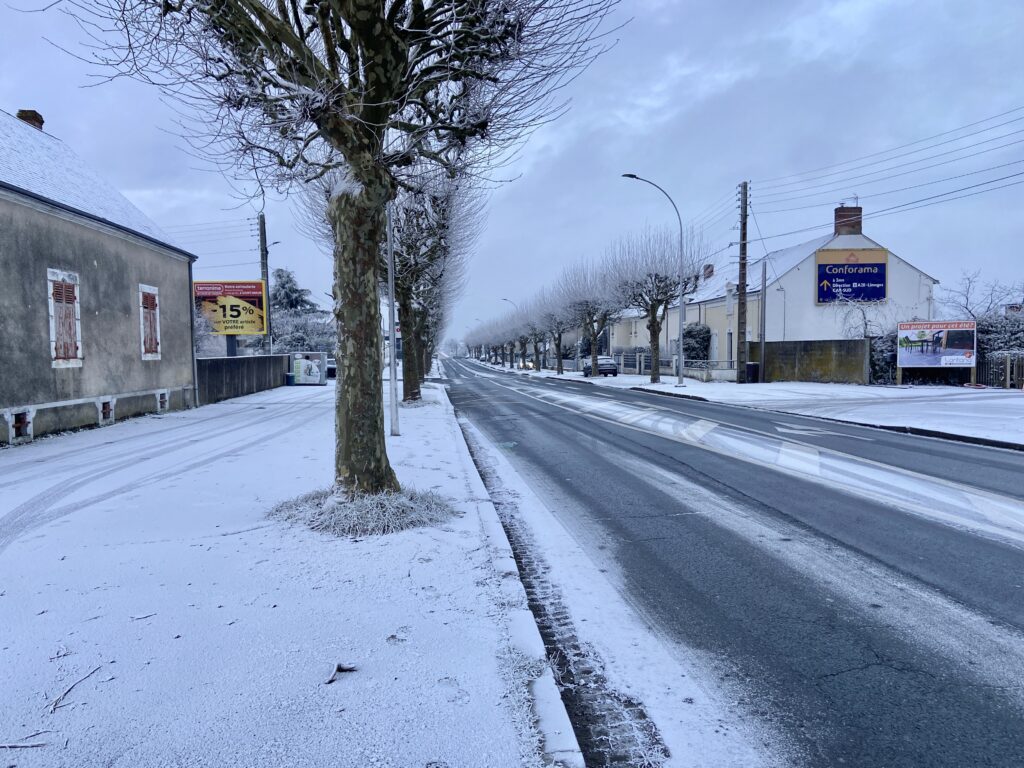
x=695, y=95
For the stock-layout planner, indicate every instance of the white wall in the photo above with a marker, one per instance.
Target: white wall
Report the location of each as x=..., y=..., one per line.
x=794, y=315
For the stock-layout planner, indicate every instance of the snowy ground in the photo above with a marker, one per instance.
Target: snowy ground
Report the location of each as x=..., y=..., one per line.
x=151, y=615
x=995, y=414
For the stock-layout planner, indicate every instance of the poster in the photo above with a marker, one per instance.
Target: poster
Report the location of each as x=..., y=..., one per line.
x=939, y=344
x=233, y=307
x=855, y=275
x=309, y=367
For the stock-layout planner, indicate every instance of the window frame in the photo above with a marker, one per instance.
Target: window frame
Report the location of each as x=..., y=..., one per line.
x=155, y=292
x=54, y=276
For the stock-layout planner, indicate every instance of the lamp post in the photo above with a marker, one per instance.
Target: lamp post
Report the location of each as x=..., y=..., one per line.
x=682, y=270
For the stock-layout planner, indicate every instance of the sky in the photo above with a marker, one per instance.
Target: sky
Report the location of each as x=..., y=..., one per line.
x=697, y=96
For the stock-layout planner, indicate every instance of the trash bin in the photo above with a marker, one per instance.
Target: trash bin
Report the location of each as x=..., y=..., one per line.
x=753, y=373
x=289, y=379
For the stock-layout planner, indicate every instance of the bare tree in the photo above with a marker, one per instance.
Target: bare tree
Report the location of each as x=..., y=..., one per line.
x=645, y=271
x=973, y=297
x=589, y=295
x=284, y=92
x=556, y=319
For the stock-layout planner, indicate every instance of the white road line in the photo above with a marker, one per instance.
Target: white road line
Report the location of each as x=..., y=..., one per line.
x=802, y=458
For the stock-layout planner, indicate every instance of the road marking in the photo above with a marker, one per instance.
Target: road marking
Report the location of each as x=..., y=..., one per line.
x=807, y=429
x=799, y=457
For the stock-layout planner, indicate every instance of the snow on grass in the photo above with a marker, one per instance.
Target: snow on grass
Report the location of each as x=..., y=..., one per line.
x=367, y=514
x=144, y=549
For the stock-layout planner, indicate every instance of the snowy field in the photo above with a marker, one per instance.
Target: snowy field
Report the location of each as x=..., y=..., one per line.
x=151, y=615
x=994, y=414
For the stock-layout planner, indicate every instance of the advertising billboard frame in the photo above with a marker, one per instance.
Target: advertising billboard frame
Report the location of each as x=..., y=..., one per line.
x=242, y=303
x=922, y=344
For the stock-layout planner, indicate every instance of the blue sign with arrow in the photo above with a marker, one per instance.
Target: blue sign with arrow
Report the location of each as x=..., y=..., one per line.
x=852, y=276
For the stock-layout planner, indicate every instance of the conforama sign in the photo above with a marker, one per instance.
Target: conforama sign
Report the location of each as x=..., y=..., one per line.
x=859, y=275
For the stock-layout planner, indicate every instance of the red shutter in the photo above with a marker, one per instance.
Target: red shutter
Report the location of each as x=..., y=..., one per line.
x=66, y=347
x=150, y=345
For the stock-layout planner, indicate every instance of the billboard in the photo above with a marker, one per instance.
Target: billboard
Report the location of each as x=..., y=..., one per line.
x=233, y=307
x=939, y=344
x=309, y=367
x=854, y=275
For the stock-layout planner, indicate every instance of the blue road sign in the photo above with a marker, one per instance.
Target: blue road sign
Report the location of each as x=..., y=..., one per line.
x=852, y=282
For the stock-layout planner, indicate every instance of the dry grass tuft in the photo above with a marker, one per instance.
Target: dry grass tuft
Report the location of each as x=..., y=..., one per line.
x=365, y=515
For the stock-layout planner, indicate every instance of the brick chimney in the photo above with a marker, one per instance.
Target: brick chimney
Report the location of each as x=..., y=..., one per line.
x=848, y=219
x=31, y=117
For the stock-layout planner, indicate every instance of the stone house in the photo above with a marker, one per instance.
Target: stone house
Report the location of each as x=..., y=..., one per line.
x=95, y=301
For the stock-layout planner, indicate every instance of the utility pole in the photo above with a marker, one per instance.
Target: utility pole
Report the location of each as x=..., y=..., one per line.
x=741, y=293
x=392, y=360
x=762, y=305
x=265, y=276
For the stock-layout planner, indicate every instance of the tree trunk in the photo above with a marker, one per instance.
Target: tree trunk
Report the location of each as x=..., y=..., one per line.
x=511, y=355
x=593, y=349
x=654, y=339
x=522, y=354
x=536, y=355
x=558, y=353
x=360, y=460
x=410, y=373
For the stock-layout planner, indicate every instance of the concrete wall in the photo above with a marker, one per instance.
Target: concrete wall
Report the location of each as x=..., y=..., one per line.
x=844, y=361
x=221, y=378
x=110, y=265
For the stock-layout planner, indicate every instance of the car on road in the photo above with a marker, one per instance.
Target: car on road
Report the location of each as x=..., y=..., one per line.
x=605, y=366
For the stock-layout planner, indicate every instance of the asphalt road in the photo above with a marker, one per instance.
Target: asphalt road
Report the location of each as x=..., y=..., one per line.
x=861, y=591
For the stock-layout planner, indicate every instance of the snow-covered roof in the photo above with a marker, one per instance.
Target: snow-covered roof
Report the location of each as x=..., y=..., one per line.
x=42, y=166
x=779, y=262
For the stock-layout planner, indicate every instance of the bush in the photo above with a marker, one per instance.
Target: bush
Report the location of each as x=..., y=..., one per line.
x=696, y=341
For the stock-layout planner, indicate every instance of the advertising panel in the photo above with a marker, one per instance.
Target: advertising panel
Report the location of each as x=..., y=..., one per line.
x=856, y=275
x=233, y=307
x=939, y=344
x=309, y=367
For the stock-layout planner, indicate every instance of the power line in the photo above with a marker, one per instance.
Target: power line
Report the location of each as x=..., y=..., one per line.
x=902, y=207
x=894, y=149
x=886, y=178
x=901, y=189
x=198, y=241
x=202, y=224
x=222, y=266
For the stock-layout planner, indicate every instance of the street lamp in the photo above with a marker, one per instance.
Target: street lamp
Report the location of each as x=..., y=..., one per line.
x=682, y=270
x=512, y=303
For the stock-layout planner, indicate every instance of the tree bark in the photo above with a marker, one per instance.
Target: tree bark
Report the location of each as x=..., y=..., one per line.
x=410, y=372
x=522, y=354
x=361, y=461
x=654, y=339
x=558, y=353
x=595, y=334
x=536, y=355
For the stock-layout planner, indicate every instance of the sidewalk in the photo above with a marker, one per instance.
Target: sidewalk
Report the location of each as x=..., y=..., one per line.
x=152, y=615
x=985, y=414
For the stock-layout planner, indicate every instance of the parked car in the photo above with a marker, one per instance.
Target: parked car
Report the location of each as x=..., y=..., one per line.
x=332, y=368
x=605, y=366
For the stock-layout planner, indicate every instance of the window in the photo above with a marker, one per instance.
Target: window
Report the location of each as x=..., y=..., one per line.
x=149, y=322
x=64, y=301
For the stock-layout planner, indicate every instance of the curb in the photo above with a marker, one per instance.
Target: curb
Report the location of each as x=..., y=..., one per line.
x=560, y=745
x=906, y=430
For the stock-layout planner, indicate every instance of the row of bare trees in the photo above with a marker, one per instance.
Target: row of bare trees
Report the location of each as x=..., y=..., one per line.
x=640, y=271
x=373, y=98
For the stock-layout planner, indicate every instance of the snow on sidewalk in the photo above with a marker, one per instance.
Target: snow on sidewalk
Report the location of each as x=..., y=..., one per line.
x=992, y=414
x=151, y=615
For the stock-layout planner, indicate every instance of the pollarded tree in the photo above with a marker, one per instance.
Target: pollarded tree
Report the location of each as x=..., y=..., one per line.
x=589, y=295
x=284, y=92
x=556, y=319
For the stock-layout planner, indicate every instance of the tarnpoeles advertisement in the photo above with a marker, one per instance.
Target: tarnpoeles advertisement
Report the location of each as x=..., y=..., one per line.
x=939, y=344
x=233, y=307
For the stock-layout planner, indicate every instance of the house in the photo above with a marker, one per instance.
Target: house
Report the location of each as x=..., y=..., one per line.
x=840, y=286
x=95, y=301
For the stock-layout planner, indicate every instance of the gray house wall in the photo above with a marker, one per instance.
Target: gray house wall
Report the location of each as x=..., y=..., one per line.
x=110, y=264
